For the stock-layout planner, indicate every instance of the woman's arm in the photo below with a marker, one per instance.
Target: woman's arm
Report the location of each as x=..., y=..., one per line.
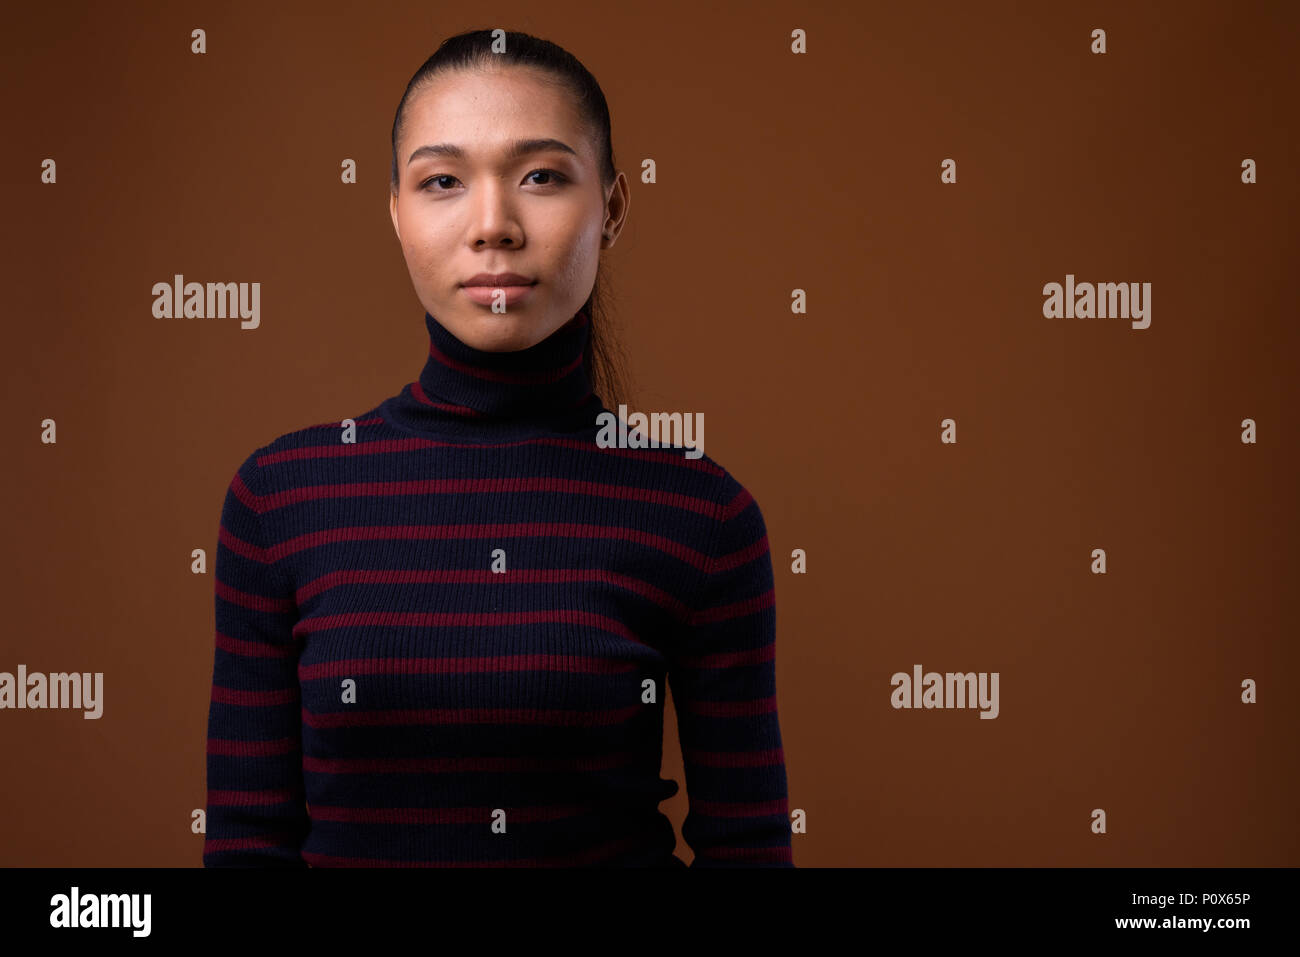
x=722, y=674
x=256, y=814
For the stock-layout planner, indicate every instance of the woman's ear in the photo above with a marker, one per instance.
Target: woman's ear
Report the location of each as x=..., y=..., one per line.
x=617, y=204
x=392, y=211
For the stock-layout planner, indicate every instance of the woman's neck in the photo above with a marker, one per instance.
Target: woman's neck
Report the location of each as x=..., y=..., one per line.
x=473, y=393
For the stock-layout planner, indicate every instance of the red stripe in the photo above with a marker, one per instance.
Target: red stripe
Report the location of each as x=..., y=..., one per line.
x=252, y=749
x=254, y=699
x=420, y=395
x=514, y=530
x=254, y=649
x=733, y=709
x=240, y=547
x=335, y=426
x=736, y=808
x=389, y=446
x=450, y=815
x=506, y=716
x=419, y=619
x=488, y=664
x=465, y=576
x=730, y=659
x=741, y=556
x=738, y=504
x=763, y=855
x=255, y=602
x=244, y=493
x=734, y=759
x=522, y=763
x=737, y=609
x=485, y=486
x=252, y=798
x=213, y=846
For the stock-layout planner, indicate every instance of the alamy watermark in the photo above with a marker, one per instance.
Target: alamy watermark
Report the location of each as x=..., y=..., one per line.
x=950, y=690
x=75, y=909
x=658, y=430
x=1103, y=300
x=57, y=690
x=179, y=299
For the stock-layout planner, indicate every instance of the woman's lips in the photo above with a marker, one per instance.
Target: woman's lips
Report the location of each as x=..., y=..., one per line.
x=487, y=295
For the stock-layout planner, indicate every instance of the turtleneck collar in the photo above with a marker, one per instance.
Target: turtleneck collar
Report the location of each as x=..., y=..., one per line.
x=466, y=392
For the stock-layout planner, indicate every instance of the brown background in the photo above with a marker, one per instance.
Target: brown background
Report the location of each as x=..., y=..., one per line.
x=775, y=172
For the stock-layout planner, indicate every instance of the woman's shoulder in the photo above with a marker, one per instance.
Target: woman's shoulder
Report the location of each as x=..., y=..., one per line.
x=317, y=440
x=735, y=499
x=717, y=491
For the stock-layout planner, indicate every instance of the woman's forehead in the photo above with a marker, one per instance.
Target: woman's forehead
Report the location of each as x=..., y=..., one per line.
x=474, y=116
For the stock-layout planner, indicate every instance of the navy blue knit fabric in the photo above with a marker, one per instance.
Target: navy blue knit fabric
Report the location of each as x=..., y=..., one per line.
x=443, y=632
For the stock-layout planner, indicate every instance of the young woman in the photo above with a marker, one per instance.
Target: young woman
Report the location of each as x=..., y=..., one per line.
x=444, y=626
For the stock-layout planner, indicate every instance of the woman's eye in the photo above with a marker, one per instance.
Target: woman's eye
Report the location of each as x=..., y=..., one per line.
x=557, y=177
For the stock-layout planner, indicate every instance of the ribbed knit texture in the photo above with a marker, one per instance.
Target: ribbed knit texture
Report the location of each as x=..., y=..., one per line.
x=445, y=643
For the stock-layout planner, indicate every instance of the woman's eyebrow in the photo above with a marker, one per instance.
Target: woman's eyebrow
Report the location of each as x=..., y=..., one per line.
x=516, y=149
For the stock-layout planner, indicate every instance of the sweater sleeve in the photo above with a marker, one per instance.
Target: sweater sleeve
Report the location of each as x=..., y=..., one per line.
x=256, y=810
x=722, y=674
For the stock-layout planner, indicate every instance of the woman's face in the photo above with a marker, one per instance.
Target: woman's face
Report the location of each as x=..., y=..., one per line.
x=466, y=207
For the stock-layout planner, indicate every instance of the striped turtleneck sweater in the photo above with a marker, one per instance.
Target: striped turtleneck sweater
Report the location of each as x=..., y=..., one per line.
x=444, y=629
